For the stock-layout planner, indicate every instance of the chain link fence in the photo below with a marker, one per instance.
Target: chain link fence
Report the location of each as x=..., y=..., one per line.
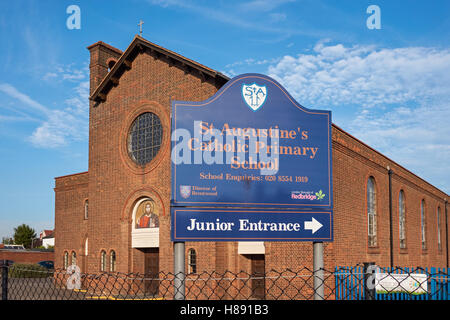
x=370, y=282
x=27, y=282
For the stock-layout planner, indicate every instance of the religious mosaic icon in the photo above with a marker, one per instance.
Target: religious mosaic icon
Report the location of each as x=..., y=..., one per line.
x=146, y=217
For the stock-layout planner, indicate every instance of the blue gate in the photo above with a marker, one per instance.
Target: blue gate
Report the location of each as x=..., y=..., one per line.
x=350, y=282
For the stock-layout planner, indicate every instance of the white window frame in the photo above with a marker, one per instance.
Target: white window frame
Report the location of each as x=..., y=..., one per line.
x=192, y=266
x=103, y=261
x=112, y=262
x=371, y=212
x=439, y=228
x=86, y=209
x=423, y=224
x=402, y=219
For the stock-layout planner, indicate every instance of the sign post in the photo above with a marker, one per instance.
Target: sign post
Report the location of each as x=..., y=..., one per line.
x=318, y=270
x=251, y=164
x=179, y=270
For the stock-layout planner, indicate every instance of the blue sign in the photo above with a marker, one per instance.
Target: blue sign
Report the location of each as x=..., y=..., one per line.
x=251, y=145
x=189, y=224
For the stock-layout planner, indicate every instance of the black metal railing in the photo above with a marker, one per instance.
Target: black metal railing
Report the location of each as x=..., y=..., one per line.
x=28, y=282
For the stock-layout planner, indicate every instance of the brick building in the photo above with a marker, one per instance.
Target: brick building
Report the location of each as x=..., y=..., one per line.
x=26, y=256
x=96, y=211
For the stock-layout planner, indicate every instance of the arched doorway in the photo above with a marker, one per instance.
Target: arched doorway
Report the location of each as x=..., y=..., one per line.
x=145, y=239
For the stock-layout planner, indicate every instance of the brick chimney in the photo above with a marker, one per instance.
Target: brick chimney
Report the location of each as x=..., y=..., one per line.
x=103, y=57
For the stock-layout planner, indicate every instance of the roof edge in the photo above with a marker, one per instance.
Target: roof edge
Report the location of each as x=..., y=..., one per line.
x=72, y=174
x=101, y=43
x=139, y=41
x=388, y=159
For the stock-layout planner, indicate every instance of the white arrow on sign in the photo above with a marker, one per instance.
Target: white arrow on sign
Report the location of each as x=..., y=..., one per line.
x=313, y=225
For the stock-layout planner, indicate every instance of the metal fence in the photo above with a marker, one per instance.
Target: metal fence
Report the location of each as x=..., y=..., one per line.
x=21, y=282
x=398, y=283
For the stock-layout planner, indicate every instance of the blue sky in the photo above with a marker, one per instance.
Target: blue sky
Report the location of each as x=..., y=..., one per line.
x=389, y=87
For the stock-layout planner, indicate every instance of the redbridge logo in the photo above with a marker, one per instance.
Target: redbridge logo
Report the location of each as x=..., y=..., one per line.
x=307, y=195
x=303, y=195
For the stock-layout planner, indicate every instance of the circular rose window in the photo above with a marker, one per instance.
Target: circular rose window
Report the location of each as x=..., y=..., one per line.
x=145, y=138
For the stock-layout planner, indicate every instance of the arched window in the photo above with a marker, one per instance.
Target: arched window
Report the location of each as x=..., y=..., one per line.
x=402, y=219
x=74, y=258
x=66, y=260
x=86, y=247
x=371, y=212
x=86, y=211
x=112, y=261
x=439, y=228
x=145, y=138
x=423, y=224
x=111, y=63
x=103, y=261
x=192, y=261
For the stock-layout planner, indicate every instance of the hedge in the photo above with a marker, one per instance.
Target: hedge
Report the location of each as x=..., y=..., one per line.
x=24, y=270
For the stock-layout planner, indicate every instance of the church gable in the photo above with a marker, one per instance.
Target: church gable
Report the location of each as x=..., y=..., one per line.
x=172, y=59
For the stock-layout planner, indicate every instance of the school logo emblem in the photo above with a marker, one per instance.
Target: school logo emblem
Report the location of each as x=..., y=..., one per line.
x=185, y=191
x=254, y=95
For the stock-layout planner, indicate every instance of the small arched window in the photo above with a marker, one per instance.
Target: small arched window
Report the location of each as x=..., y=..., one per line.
x=423, y=224
x=111, y=62
x=402, y=219
x=371, y=212
x=66, y=260
x=86, y=209
x=74, y=258
x=192, y=261
x=86, y=247
x=103, y=261
x=439, y=228
x=112, y=261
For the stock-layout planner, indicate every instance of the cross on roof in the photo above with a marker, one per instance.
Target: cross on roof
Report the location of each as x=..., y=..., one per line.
x=140, y=27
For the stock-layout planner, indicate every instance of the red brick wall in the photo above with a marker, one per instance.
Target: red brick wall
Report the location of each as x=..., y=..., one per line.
x=71, y=192
x=101, y=55
x=26, y=256
x=114, y=184
x=353, y=164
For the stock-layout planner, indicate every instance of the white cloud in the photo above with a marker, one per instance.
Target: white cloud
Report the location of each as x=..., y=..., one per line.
x=262, y=5
x=49, y=76
x=75, y=75
x=79, y=103
x=166, y=3
x=401, y=97
x=23, y=98
x=338, y=75
x=57, y=127
x=253, y=15
x=68, y=72
x=69, y=124
x=416, y=137
x=48, y=136
x=252, y=62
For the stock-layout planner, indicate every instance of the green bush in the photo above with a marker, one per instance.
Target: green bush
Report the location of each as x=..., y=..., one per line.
x=23, y=270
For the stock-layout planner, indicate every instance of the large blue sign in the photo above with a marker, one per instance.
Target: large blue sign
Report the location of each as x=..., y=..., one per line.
x=251, y=145
x=194, y=224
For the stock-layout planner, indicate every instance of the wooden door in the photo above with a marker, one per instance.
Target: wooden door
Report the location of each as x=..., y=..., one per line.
x=151, y=265
x=258, y=271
